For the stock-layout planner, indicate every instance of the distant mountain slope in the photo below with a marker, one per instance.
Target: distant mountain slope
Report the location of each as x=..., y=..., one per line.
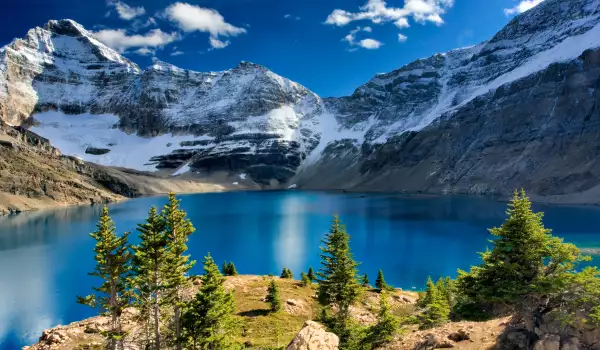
x=520, y=110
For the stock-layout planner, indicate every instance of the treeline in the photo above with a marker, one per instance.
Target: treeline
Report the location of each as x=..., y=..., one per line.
x=527, y=273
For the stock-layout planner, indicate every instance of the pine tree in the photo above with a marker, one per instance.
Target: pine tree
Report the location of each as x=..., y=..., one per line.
x=437, y=311
x=526, y=272
x=311, y=274
x=387, y=325
x=430, y=290
x=287, y=273
x=177, y=229
x=224, y=268
x=380, y=282
x=365, y=281
x=113, y=267
x=338, y=283
x=305, y=281
x=273, y=296
x=148, y=266
x=208, y=319
x=231, y=270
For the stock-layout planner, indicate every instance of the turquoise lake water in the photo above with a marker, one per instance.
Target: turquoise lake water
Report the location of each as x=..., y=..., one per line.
x=45, y=256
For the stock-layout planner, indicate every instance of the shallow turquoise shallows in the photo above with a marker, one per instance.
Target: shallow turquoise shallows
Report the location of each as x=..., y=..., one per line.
x=45, y=256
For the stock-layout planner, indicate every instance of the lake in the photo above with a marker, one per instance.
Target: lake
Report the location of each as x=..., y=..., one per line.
x=45, y=256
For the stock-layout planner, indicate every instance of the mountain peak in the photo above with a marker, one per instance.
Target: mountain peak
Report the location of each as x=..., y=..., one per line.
x=66, y=27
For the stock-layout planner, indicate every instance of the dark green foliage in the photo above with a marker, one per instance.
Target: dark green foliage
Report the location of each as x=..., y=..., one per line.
x=287, y=273
x=337, y=283
x=177, y=230
x=380, y=282
x=273, y=296
x=311, y=274
x=437, y=309
x=113, y=267
x=304, y=280
x=352, y=335
x=364, y=281
x=528, y=272
x=427, y=298
x=208, y=320
x=148, y=267
x=228, y=269
x=387, y=325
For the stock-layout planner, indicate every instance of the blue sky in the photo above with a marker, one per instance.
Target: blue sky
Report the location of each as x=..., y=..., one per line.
x=330, y=46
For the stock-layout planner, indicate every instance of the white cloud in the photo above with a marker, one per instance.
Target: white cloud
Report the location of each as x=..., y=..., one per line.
x=523, y=6
x=144, y=51
x=125, y=11
x=119, y=40
x=370, y=44
x=218, y=44
x=195, y=18
x=365, y=43
x=377, y=12
x=177, y=53
x=402, y=38
x=287, y=15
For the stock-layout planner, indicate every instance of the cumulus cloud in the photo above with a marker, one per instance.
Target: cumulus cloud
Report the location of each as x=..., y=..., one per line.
x=119, y=40
x=377, y=11
x=127, y=12
x=144, y=51
x=218, y=44
x=370, y=44
x=177, y=53
x=522, y=7
x=192, y=18
x=365, y=43
x=402, y=38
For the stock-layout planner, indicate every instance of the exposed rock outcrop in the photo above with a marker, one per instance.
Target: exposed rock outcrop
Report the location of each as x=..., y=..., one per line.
x=313, y=336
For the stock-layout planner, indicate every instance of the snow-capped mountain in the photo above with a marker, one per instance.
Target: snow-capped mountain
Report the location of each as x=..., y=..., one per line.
x=522, y=109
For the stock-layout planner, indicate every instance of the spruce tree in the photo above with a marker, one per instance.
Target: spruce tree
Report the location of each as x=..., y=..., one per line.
x=365, y=281
x=430, y=290
x=224, y=268
x=287, y=273
x=311, y=274
x=148, y=265
x=380, y=282
x=113, y=267
x=527, y=270
x=208, y=319
x=231, y=270
x=177, y=229
x=437, y=312
x=305, y=281
x=273, y=296
x=338, y=285
x=387, y=326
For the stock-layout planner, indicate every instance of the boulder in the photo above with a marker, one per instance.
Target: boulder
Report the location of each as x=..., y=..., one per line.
x=313, y=336
x=548, y=342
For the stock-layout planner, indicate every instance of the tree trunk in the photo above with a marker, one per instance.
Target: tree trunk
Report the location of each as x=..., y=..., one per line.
x=156, y=308
x=178, y=326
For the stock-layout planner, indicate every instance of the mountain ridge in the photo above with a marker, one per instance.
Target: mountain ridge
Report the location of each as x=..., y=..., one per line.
x=249, y=120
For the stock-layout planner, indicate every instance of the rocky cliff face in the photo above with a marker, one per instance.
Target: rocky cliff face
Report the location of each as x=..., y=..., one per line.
x=520, y=110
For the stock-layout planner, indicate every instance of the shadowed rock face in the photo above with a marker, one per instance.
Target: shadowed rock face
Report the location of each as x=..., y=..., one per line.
x=520, y=110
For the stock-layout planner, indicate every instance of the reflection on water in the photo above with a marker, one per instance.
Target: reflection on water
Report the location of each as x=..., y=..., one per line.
x=45, y=256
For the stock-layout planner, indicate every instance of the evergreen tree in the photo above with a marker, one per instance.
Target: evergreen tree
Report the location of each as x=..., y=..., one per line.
x=311, y=274
x=208, y=320
x=380, y=282
x=338, y=284
x=386, y=327
x=437, y=311
x=430, y=290
x=177, y=229
x=305, y=281
x=148, y=266
x=365, y=281
x=527, y=271
x=273, y=296
x=287, y=273
x=113, y=267
x=224, y=268
x=290, y=274
x=231, y=270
